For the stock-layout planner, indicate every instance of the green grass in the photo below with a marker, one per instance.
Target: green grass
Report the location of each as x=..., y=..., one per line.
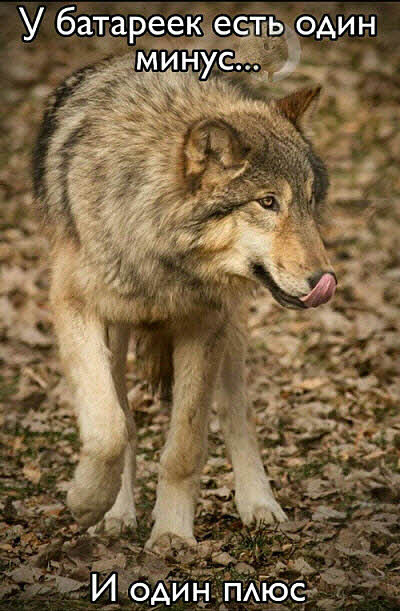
x=258, y=543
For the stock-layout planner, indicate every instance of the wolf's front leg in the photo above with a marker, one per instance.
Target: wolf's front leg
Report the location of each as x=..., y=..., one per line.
x=122, y=514
x=102, y=422
x=197, y=353
x=254, y=498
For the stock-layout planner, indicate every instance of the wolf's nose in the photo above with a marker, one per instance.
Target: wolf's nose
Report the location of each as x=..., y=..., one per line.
x=323, y=286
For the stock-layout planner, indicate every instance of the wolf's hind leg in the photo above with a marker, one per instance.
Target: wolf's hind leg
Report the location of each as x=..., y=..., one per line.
x=253, y=494
x=122, y=514
x=196, y=358
x=102, y=422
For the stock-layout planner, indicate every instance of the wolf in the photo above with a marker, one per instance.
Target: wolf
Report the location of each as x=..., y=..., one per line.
x=167, y=201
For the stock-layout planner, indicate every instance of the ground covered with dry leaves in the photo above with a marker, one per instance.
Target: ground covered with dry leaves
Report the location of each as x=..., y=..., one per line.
x=324, y=384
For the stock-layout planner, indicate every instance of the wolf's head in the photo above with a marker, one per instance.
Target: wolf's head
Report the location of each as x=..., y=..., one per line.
x=257, y=188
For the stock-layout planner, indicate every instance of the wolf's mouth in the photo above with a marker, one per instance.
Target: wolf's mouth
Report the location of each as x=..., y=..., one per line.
x=286, y=300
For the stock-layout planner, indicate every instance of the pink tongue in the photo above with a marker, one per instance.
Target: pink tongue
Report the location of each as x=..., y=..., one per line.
x=321, y=293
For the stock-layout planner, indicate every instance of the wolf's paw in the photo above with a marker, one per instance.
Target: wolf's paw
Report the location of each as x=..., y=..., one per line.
x=163, y=543
x=85, y=511
x=173, y=513
x=122, y=515
x=258, y=510
x=114, y=526
x=120, y=518
x=94, y=490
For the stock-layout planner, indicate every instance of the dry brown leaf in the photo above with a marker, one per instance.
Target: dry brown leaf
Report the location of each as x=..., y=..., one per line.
x=32, y=472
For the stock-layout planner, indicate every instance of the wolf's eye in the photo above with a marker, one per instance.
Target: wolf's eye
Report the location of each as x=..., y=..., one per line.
x=269, y=202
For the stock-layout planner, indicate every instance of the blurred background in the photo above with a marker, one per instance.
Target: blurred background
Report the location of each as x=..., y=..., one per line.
x=324, y=384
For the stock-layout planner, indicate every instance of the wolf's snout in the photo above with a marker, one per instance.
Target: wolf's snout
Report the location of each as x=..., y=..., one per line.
x=323, y=288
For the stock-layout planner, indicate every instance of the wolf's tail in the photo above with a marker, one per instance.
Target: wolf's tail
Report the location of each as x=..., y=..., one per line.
x=154, y=360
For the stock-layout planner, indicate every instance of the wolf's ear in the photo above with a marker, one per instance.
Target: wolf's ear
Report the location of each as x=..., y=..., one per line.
x=299, y=107
x=212, y=142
